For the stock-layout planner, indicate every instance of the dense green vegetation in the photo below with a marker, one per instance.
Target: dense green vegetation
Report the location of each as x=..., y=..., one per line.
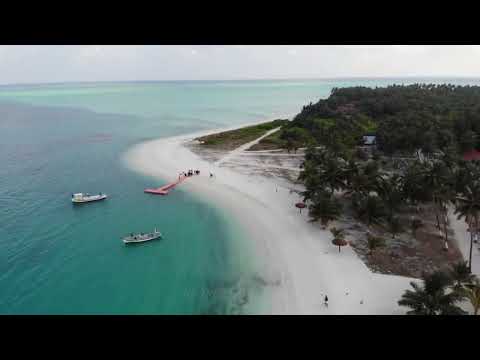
x=404, y=118
x=442, y=121
x=442, y=291
x=271, y=142
x=228, y=140
x=378, y=196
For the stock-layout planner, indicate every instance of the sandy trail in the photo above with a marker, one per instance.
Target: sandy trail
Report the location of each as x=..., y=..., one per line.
x=244, y=147
x=291, y=252
x=462, y=236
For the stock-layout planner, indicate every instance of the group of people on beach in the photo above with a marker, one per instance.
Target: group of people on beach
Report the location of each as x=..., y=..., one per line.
x=190, y=172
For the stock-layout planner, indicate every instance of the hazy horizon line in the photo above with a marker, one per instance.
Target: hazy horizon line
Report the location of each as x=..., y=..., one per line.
x=244, y=79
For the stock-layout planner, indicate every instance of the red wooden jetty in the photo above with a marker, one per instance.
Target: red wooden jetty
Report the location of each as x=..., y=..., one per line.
x=163, y=190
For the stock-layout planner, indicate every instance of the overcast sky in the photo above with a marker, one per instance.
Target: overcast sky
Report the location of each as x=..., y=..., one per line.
x=36, y=64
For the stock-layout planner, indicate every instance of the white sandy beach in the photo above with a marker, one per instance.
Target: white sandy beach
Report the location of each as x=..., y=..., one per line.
x=293, y=253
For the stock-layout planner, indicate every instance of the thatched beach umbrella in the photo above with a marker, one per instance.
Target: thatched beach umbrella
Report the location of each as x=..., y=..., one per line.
x=300, y=205
x=339, y=242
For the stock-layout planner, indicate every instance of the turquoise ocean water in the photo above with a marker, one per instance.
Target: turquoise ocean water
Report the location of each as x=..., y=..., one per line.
x=56, y=258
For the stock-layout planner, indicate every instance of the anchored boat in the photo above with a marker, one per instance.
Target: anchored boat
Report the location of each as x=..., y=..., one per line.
x=137, y=238
x=79, y=198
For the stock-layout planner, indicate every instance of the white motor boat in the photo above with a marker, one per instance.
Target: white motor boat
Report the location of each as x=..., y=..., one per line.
x=79, y=198
x=137, y=238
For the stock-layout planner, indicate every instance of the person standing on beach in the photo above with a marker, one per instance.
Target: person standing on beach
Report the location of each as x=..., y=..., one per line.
x=326, y=301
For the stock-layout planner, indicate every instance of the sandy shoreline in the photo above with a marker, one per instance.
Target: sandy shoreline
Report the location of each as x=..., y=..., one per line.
x=293, y=254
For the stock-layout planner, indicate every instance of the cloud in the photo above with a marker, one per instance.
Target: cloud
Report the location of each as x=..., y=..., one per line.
x=30, y=64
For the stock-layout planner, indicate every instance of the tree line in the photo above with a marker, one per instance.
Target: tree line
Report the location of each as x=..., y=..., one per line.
x=378, y=195
x=442, y=121
x=405, y=118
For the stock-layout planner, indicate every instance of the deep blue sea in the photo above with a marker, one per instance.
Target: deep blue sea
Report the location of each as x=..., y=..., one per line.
x=57, y=258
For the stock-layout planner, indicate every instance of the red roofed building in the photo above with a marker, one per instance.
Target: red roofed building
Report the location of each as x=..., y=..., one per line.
x=471, y=155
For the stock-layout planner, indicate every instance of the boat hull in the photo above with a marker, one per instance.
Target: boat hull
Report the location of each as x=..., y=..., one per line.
x=127, y=241
x=83, y=201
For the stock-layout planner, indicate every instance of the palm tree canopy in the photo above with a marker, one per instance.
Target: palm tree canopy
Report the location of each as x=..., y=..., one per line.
x=413, y=187
x=338, y=233
x=472, y=293
x=390, y=191
x=368, y=208
x=433, y=297
x=460, y=273
x=325, y=207
x=469, y=199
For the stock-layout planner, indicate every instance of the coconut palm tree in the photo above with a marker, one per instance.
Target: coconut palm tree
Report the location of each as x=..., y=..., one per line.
x=465, y=174
x=468, y=206
x=374, y=242
x=394, y=226
x=437, y=179
x=331, y=174
x=324, y=207
x=416, y=224
x=390, y=191
x=310, y=178
x=321, y=171
x=361, y=179
x=460, y=274
x=413, y=187
x=372, y=171
x=357, y=184
x=350, y=171
x=446, y=195
x=449, y=154
x=433, y=297
x=472, y=293
x=368, y=208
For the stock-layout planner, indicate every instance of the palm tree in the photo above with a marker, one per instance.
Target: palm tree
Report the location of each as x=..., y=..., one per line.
x=465, y=174
x=331, y=174
x=362, y=180
x=350, y=171
x=460, y=274
x=472, y=293
x=390, y=191
x=321, y=170
x=372, y=171
x=468, y=206
x=416, y=224
x=338, y=237
x=394, y=226
x=368, y=208
x=309, y=177
x=437, y=179
x=374, y=242
x=413, y=188
x=445, y=196
x=433, y=297
x=324, y=207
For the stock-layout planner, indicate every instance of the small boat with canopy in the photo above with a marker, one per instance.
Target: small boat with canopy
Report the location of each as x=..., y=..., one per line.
x=138, y=238
x=79, y=198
